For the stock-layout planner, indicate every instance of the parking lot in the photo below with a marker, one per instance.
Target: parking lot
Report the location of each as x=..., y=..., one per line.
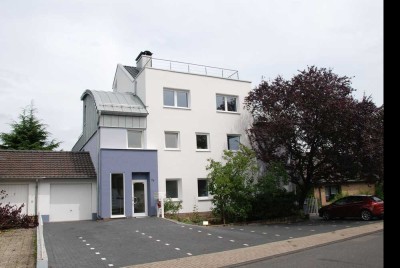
x=122, y=242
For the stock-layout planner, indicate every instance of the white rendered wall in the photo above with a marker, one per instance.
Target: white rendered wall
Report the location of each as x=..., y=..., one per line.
x=115, y=138
x=125, y=82
x=188, y=164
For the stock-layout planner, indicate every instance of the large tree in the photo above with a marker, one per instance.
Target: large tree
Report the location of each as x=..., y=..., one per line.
x=28, y=134
x=314, y=126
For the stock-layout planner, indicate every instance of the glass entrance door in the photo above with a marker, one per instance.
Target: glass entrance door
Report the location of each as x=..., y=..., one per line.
x=139, y=198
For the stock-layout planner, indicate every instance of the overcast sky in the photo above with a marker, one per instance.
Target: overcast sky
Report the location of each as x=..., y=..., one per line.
x=51, y=51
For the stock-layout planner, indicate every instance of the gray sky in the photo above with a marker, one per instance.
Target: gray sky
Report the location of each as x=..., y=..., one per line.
x=51, y=51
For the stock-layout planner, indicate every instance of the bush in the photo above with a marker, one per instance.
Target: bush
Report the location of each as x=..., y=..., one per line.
x=172, y=207
x=11, y=217
x=271, y=200
x=379, y=191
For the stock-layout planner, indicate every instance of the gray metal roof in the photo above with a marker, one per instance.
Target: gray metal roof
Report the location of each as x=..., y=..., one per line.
x=108, y=102
x=133, y=71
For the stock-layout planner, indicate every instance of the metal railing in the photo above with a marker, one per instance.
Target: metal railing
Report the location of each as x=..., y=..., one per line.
x=192, y=68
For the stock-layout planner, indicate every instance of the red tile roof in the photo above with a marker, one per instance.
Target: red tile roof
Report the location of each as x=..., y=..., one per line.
x=45, y=164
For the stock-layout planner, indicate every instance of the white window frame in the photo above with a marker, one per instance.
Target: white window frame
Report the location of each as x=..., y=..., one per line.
x=208, y=142
x=123, y=185
x=178, y=142
x=226, y=103
x=227, y=142
x=208, y=197
x=179, y=190
x=175, y=106
x=141, y=138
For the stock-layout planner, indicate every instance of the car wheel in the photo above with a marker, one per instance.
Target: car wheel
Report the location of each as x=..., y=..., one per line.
x=326, y=216
x=366, y=215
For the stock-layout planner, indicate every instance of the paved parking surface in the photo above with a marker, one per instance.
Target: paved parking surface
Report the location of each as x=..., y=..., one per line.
x=118, y=243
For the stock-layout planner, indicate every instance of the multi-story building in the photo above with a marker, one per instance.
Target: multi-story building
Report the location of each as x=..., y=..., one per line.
x=155, y=131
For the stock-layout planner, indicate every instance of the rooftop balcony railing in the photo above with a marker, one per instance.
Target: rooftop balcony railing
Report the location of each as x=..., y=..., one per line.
x=192, y=68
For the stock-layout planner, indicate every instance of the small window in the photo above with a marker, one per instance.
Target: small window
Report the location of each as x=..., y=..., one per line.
x=172, y=140
x=202, y=141
x=233, y=142
x=172, y=188
x=331, y=192
x=202, y=188
x=176, y=98
x=226, y=103
x=135, y=139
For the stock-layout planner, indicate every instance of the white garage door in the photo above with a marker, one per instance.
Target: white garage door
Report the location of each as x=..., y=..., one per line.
x=70, y=202
x=17, y=194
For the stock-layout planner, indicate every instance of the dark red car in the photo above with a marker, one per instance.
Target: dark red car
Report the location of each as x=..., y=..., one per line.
x=364, y=206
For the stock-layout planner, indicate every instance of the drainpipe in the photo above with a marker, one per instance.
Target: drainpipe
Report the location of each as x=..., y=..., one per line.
x=36, y=197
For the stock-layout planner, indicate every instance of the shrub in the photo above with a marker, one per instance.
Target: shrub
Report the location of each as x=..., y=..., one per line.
x=11, y=216
x=379, y=191
x=172, y=207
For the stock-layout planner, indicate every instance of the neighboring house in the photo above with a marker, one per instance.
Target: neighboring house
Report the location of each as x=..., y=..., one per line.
x=60, y=186
x=326, y=192
x=155, y=131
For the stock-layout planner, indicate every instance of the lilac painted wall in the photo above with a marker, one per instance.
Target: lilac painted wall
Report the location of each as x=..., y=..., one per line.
x=127, y=162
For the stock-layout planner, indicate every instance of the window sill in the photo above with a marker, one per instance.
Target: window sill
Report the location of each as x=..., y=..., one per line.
x=204, y=198
x=227, y=112
x=172, y=149
x=118, y=216
x=174, y=199
x=201, y=150
x=178, y=108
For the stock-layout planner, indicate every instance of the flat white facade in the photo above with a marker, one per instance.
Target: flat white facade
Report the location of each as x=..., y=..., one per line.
x=180, y=162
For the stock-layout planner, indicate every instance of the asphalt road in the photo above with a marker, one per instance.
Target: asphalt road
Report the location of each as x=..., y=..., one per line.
x=365, y=251
x=134, y=241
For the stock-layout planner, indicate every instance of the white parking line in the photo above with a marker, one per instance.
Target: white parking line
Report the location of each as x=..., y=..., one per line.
x=103, y=259
x=232, y=240
x=158, y=240
x=264, y=233
x=150, y=237
x=312, y=230
x=177, y=249
x=190, y=254
x=209, y=234
x=80, y=237
x=252, y=231
x=199, y=231
x=246, y=245
x=87, y=244
x=97, y=253
x=84, y=241
x=166, y=244
x=91, y=248
x=220, y=237
x=277, y=235
x=111, y=264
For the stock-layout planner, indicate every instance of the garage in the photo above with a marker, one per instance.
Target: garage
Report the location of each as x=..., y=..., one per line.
x=57, y=186
x=17, y=194
x=70, y=202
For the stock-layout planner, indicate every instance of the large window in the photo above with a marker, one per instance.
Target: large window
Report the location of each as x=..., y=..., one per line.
x=233, y=142
x=176, y=98
x=135, y=139
x=226, y=103
x=202, y=141
x=117, y=195
x=172, y=187
x=202, y=188
x=171, y=140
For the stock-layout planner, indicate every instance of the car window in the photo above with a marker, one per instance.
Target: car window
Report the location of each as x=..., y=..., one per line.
x=357, y=199
x=342, y=201
x=377, y=199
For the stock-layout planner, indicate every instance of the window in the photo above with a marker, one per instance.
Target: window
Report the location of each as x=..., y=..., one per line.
x=202, y=141
x=135, y=139
x=226, y=103
x=331, y=192
x=176, y=98
x=172, y=187
x=233, y=142
x=202, y=188
x=171, y=140
x=117, y=195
